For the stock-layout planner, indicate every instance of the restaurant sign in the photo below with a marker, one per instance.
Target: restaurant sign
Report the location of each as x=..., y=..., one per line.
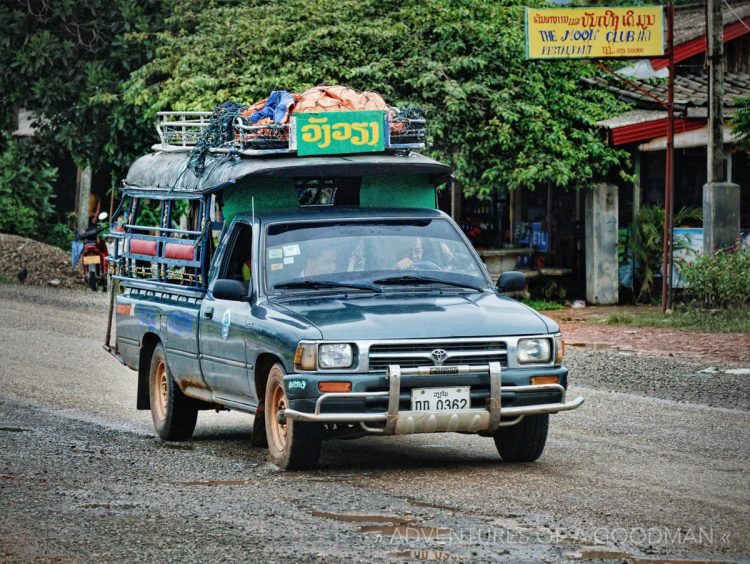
x=594, y=33
x=336, y=133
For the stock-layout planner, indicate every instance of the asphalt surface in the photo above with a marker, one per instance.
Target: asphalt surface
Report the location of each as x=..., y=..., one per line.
x=653, y=474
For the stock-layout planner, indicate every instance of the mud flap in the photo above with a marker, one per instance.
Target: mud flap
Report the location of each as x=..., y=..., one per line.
x=258, y=439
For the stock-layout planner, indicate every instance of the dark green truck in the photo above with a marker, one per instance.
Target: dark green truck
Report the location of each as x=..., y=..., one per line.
x=328, y=297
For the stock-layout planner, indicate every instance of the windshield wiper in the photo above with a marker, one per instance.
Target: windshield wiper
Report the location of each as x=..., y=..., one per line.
x=313, y=284
x=423, y=280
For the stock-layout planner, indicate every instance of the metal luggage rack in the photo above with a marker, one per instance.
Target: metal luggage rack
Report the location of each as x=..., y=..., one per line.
x=182, y=131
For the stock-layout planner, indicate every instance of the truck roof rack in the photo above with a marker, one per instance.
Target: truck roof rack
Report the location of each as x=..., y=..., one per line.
x=181, y=131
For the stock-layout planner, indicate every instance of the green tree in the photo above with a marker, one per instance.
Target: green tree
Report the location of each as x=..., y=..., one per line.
x=26, y=180
x=496, y=117
x=66, y=61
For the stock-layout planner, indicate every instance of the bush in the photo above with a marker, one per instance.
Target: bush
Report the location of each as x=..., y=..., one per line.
x=60, y=235
x=721, y=280
x=26, y=189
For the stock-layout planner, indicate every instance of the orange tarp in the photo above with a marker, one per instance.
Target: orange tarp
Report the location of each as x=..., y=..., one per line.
x=326, y=99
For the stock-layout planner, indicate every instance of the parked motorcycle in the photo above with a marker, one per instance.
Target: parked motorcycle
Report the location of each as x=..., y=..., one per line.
x=92, y=251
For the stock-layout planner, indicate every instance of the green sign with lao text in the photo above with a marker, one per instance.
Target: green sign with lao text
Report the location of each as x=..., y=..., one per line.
x=335, y=133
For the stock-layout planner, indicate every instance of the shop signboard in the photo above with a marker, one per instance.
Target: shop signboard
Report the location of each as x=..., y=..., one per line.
x=594, y=33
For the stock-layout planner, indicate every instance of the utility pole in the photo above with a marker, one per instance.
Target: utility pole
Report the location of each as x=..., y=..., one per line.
x=715, y=147
x=721, y=200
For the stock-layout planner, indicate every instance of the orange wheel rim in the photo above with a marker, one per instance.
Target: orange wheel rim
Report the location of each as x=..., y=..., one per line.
x=278, y=430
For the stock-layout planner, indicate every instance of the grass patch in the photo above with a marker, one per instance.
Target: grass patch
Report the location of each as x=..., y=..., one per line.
x=543, y=305
x=711, y=321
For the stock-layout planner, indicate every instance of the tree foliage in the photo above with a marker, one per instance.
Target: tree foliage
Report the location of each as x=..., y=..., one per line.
x=66, y=60
x=26, y=180
x=497, y=118
x=741, y=123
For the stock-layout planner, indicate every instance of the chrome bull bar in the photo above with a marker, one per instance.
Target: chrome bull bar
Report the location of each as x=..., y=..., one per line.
x=472, y=420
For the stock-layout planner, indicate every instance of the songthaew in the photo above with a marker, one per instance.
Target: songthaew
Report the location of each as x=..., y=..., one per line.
x=287, y=260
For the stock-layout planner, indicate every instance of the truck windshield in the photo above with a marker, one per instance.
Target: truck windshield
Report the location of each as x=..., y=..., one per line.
x=369, y=254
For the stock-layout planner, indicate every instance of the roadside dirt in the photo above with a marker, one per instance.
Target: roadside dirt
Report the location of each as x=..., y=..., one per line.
x=586, y=328
x=43, y=263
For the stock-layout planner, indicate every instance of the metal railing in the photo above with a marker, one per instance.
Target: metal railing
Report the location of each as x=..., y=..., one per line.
x=182, y=131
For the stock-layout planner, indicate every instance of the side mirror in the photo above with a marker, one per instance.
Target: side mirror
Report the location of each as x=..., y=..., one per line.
x=511, y=281
x=233, y=290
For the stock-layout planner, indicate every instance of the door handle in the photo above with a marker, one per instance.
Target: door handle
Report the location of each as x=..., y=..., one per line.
x=208, y=312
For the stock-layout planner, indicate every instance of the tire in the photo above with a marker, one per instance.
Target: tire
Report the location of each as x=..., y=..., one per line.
x=294, y=445
x=92, y=280
x=523, y=442
x=174, y=414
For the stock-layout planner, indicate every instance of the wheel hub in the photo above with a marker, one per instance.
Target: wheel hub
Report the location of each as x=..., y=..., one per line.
x=278, y=405
x=161, y=389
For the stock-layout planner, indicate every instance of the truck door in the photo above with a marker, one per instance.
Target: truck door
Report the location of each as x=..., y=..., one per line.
x=224, y=322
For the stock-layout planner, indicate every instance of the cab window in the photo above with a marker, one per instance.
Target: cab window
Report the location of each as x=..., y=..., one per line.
x=237, y=262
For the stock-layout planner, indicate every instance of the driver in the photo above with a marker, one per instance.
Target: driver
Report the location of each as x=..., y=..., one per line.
x=321, y=261
x=412, y=254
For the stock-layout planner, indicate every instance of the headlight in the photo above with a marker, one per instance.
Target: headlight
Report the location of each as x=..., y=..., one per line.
x=534, y=351
x=338, y=355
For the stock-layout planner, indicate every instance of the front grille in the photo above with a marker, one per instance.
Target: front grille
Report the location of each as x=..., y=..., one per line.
x=409, y=355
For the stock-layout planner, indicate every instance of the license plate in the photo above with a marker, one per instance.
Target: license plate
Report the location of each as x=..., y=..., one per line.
x=91, y=259
x=440, y=399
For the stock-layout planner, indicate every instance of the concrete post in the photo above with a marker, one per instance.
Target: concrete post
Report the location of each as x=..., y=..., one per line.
x=721, y=215
x=602, y=280
x=84, y=191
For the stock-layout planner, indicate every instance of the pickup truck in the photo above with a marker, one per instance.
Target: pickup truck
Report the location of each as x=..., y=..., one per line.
x=328, y=297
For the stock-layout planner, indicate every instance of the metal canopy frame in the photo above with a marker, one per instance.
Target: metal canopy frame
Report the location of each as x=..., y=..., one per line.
x=166, y=175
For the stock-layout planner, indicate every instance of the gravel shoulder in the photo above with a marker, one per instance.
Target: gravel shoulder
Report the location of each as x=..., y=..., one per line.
x=647, y=469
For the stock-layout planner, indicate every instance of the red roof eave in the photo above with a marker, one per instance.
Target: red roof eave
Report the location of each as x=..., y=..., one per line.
x=650, y=130
x=698, y=45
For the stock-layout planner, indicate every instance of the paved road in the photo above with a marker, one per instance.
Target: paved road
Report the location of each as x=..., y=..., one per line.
x=83, y=478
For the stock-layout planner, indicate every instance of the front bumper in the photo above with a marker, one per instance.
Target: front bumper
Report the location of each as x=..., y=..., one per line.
x=395, y=421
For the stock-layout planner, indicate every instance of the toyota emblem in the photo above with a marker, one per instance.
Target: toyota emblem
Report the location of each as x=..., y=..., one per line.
x=439, y=356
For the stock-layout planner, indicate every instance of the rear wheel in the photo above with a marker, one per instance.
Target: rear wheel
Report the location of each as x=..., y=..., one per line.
x=293, y=445
x=523, y=442
x=92, y=280
x=174, y=414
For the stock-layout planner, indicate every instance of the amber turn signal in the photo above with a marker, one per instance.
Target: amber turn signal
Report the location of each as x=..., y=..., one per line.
x=334, y=387
x=536, y=380
x=559, y=349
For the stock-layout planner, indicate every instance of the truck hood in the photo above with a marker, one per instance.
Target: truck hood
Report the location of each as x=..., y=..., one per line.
x=399, y=316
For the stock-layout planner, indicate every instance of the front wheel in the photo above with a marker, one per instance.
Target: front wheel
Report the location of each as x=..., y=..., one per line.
x=174, y=414
x=524, y=441
x=293, y=445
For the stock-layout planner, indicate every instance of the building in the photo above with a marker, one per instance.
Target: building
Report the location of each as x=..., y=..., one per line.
x=642, y=131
